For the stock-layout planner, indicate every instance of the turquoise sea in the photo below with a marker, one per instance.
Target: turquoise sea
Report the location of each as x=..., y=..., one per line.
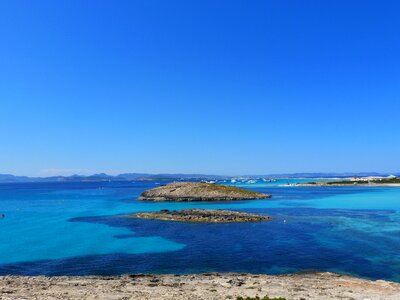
x=81, y=228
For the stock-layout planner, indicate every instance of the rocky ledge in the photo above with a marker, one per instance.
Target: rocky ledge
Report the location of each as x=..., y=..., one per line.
x=202, y=216
x=317, y=286
x=199, y=191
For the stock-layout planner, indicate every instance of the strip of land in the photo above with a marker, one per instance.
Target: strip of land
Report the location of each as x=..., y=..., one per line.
x=195, y=287
x=364, y=181
x=372, y=184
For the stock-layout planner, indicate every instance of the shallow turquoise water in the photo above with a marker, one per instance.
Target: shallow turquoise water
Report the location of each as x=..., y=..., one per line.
x=37, y=227
x=80, y=228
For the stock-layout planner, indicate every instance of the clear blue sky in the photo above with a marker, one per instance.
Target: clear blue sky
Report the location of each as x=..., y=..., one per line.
x=224, y=87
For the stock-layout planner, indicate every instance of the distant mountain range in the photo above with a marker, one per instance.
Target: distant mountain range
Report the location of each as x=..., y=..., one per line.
x=4, y=178
x=8, y=178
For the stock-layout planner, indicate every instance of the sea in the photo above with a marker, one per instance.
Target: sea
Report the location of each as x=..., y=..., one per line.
x=84, y=228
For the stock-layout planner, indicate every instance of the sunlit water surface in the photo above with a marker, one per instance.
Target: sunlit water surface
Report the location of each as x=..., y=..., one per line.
x=81, y=228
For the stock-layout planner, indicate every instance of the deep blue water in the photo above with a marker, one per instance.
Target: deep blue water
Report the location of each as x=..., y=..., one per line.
x=81, y=228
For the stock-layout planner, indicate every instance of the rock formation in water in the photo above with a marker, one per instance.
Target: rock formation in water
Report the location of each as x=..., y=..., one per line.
x=199, y=191
x=203, y=216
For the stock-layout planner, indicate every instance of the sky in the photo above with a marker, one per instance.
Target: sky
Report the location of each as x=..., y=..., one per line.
x=216, y=87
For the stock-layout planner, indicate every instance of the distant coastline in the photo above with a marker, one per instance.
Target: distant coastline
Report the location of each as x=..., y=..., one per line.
x=389, y=181
x=103, y=177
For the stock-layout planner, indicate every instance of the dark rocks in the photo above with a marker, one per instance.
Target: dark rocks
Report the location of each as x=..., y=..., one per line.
x=203, y=216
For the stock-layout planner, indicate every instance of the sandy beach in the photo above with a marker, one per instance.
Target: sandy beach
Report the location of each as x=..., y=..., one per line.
x=323, y=184
x=203, y=286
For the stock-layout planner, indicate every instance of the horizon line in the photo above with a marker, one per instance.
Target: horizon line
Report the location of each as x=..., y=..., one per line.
x=365, y=173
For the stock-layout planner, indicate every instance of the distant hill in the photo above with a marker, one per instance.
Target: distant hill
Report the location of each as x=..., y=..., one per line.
x=12, y=178
x=9, y=178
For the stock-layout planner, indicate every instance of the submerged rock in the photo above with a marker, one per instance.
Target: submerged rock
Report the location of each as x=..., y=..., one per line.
x=199, y=191
x=203, y=216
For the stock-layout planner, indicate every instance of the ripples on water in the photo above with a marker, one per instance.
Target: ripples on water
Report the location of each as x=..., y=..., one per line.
x=79, y=228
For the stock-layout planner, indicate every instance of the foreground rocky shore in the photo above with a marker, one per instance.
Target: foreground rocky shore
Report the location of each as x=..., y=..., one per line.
x=195, y=287
x=202, y=216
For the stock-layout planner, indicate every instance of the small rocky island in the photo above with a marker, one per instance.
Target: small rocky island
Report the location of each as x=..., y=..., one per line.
x=199, y=191
x=202, y=216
